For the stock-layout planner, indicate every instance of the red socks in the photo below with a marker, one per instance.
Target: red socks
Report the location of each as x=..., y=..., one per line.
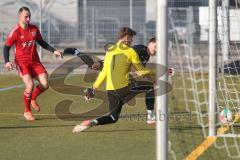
x=28, y=97
x=27, y=101
x=36, y=92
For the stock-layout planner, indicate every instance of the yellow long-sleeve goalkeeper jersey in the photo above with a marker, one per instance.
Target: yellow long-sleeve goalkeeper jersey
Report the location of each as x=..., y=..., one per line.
x=116, y=68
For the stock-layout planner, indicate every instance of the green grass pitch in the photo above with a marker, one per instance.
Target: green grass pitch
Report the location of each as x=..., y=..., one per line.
x=50, y=138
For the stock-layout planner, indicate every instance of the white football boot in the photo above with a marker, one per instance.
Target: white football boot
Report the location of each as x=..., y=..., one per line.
x=82, y=127
x=151, y=118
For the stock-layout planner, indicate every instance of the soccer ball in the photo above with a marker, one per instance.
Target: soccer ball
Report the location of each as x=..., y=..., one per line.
x=226, y=116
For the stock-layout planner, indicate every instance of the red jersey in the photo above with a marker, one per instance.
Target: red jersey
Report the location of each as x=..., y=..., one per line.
x=25, y=42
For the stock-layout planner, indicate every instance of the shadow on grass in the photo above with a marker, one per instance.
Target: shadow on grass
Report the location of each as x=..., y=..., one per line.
x=90, y=130
x=120, y=130
x=185, y=127
x=70, y=125
x=28, y=127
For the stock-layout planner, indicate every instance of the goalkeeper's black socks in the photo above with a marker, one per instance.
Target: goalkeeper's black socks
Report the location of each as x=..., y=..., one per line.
x=150, y=99
x=106, y=120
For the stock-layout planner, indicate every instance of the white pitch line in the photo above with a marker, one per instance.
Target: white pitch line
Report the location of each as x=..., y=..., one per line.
x=21, y=85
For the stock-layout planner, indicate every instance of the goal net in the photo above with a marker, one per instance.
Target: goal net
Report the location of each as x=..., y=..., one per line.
x=188, y=109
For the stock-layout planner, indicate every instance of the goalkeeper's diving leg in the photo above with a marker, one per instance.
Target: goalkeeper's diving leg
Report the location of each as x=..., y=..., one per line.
x=115, y=107
x=116, y=99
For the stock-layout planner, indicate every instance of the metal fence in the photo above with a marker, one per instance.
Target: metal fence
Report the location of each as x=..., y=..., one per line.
x=87, y=26
x=90, y=24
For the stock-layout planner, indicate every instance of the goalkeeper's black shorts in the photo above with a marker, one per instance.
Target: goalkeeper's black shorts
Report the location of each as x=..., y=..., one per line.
x=117, y=98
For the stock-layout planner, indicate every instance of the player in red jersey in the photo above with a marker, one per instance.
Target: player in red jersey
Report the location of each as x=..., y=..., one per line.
x=24, y=36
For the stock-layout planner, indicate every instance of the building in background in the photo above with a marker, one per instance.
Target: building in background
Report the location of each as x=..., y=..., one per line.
x=99, y=21
x=85, y=24
x=180, y=19
x=58, y=20
x=185, y=16
x=187, y=3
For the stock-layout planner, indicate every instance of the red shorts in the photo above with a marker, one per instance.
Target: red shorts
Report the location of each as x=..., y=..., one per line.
x=30, y=67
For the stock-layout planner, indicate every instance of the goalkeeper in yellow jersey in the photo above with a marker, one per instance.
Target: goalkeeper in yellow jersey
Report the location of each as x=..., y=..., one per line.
x=116, y=69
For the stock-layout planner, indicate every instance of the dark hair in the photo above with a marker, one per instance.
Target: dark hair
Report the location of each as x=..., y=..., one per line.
x=23, y=8
x=153, y=39
x=126, y=31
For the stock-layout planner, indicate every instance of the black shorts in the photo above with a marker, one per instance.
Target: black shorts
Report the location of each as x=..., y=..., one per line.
x=117, y=98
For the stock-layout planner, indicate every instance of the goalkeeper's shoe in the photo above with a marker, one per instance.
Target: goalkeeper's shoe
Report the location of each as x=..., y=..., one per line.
x=35, y=105
x=151, y=118
x=29, y=116
x=82, y=127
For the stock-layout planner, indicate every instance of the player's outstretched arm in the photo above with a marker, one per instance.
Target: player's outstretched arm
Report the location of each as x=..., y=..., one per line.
x=46, y=46
x=101, y=77
x=58, y=54
x=140, y=70
x=88, y=60
x=6, y=53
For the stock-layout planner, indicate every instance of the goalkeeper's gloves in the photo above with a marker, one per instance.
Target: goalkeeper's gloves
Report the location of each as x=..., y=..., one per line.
x=89, y=93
